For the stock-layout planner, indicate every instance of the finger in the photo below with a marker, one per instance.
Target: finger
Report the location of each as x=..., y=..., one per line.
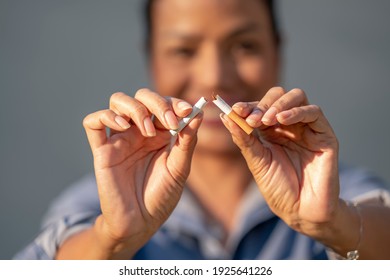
x=179, y=160
x=246, y=109
x=309, y=114
x=293, y=98
x=131, y=109
x=161, y=107
x=95, y=126
x=243, y=109
x=255, y=119
x=180, y=107
x=250, y=145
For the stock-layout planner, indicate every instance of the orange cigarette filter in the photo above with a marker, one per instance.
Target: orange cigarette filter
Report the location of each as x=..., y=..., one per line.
x=225, y=108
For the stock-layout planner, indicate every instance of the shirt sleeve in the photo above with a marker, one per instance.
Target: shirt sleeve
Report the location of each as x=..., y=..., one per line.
x=360, y=185
x=73, y=211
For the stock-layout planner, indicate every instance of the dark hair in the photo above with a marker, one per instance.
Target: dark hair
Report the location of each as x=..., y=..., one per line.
x=269, y=3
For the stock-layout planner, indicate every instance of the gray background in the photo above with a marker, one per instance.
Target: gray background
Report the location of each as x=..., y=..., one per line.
x=60, y=60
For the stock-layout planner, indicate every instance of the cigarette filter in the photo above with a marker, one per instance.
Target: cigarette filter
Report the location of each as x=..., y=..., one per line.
x=226, y=109
x=186, y=120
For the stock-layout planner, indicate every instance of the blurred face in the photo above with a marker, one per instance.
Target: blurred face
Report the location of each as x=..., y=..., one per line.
x=205, y=46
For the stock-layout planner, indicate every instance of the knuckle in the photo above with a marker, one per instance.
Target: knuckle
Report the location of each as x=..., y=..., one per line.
x=87, y=120
x=106, y=114
x=139, y=110
x=277, y=89
x=115, y=97
x=300, y=93
x=141, y=92
x=277, y=92
x=316, y=108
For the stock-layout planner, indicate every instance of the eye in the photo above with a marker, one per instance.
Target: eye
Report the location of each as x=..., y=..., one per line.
x=247, y=47
x=182, y=52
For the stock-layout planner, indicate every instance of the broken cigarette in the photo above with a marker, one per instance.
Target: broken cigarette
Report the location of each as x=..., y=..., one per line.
x=226, y=109
x=186, y=120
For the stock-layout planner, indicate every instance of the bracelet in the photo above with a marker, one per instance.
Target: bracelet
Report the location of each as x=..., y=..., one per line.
x=354, y=255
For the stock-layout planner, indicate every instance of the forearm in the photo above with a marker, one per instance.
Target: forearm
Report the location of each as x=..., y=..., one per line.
x=376, y=231
x=94, y=244
x=344, y=234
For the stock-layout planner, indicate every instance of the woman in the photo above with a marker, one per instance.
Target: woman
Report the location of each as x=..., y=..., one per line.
x=215, y=192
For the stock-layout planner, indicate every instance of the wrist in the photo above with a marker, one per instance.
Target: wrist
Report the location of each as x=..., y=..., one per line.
x=343, y=233
x=112, y=247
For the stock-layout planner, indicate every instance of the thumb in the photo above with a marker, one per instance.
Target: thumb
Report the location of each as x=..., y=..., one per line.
x=251, y=147
x=179, y=159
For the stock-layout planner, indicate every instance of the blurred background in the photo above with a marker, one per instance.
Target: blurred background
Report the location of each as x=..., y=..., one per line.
x=60, y=60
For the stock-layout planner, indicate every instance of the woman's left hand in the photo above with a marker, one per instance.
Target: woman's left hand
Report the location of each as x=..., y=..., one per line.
x=293, y=156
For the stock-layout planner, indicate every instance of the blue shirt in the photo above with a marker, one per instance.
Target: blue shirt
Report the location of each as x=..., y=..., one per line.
x=190, y=234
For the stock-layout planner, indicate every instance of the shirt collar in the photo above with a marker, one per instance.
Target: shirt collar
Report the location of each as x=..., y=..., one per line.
x=190, y=219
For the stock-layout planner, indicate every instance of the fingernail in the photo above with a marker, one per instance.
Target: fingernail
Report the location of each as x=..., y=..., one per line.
x=122, y=122
x=251, y=121
x=269, y=115
x=171, y=120
x=149, y=127
x=254, y=119
x=240, y=105
x=184, y=106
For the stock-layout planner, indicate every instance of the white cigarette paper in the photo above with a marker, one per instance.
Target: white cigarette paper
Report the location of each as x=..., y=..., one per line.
x=186, y=120
x=227, y=110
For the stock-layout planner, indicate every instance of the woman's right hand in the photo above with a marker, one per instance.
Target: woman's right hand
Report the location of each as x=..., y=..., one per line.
x=140, y=177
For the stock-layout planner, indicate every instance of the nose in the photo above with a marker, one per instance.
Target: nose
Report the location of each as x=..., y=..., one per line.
x=214, y=70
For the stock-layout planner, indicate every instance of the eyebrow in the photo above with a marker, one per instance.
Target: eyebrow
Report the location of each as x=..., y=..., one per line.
x=250, y=27
x=247, y=28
